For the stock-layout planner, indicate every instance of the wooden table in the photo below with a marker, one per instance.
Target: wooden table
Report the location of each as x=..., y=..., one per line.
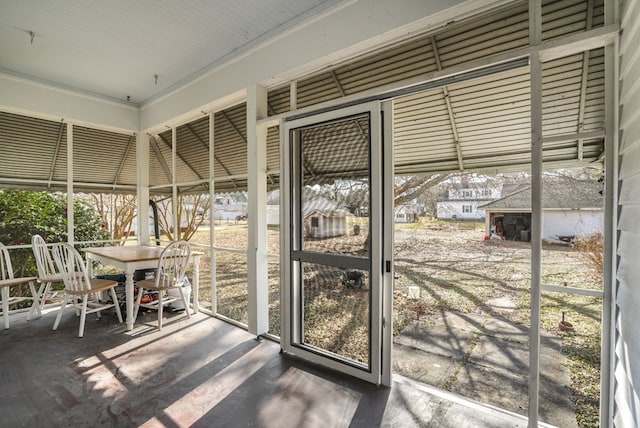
x=132, y=258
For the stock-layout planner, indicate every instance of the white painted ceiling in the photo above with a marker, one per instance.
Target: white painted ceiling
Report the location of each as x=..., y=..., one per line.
x=115, y=48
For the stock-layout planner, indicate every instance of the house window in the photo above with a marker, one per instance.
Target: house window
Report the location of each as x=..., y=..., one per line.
x=467, y=193
x=314, y=221
x=467, y=208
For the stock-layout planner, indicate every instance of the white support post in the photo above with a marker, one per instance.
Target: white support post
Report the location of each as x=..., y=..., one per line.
x=257, y=265
x=174, y=186
x=142, y=187
x=286, y=328
x=388, y=239
x=212, y=228
x=536, y=236
x=70, y=225
x=607, y=364
x=535, y=38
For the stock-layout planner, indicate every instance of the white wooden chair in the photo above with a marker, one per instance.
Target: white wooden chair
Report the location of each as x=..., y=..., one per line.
x=170, y=274
x=47, y=272
x=78, y=286
x=7, y=281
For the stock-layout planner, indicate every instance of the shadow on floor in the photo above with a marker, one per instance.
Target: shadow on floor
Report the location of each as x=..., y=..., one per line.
x=197, y=372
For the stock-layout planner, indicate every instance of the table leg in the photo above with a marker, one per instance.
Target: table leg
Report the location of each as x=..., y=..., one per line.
x=128, y=288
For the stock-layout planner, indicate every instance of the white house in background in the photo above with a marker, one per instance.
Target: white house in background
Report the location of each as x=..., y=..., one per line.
x=226, y=208
x=570, y=208
x=273, y=215
x=273, y=208
x=407, y=213
x=463, y=201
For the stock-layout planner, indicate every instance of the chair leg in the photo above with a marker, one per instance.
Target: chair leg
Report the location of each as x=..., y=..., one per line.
x=5, y=307
x=35, y=306
x=60, y=311
x=137, y=305
x=160, y=306
x=97, y=298
x=116, y=305
x=75, y=305
x=43, y=291
x=83, y=314
x=185, y=303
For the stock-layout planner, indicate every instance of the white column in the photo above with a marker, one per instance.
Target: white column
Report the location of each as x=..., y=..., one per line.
x=536, y=236
x=257, y=266
x=70, y=225
x=174, y=186
x=610, y=283
x=142, y=187
x=387, y=250
x=535, y=38
x=212, y=223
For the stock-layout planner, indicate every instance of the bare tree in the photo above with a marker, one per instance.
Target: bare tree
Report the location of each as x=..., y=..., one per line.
x=416, y=185
x=191, y=213
x=117, y=212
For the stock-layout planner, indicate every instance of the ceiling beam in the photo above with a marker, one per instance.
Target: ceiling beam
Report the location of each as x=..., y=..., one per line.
x=163, y=164
x=584, y=81
x=206, y=146
x=591, y=135
x=233, y=126
x=62, y=184
x=579, y=42
x=124, y=159
x=181, y=157
x=334, y=76
x=447, y=100
x=55, y=154
x=270, y=109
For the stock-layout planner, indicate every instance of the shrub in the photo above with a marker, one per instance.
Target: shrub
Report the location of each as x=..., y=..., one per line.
x=26, y=213
x=592, y=248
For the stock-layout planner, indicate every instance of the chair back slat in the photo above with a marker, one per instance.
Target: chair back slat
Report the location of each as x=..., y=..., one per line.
x=44, y=261
x=172, y=265
x=6, y=270
x=72, y=267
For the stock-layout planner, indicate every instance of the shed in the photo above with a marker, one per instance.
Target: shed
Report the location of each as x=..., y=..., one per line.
x=325, y=224
x=570, y=208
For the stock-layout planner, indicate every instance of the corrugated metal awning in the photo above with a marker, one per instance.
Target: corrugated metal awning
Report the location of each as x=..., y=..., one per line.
x=480, y=124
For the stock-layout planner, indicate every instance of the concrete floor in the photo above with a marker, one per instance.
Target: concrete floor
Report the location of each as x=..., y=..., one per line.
x=198, y=372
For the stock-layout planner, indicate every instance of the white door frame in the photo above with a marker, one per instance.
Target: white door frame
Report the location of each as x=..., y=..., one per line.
x=381, y=271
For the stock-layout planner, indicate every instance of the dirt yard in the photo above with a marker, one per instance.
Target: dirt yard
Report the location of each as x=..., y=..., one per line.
x=451, y=270
x=456, y=271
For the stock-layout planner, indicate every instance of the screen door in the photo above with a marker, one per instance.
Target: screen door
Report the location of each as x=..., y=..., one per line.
x=334, y=201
